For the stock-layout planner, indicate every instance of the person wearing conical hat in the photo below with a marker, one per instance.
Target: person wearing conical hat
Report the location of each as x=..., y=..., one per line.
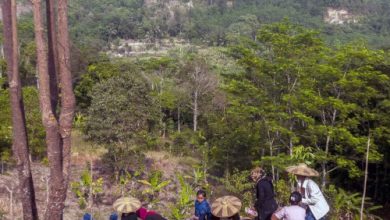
x=127, y=206
x=226, y=208
x=131, y=209
x=313, y=199
x=265, y=197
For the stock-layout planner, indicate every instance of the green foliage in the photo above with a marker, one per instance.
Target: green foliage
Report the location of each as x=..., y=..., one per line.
x=121, y=107
x=185, y=200
x=239, y=184
x=123, y=156
x=282, y=191
x=298, y=93
x=346, y=205
x=35, y=130
x=184, y=143
x=216, y=23
x=95, y=74
x=87, y=188
x=155, y=184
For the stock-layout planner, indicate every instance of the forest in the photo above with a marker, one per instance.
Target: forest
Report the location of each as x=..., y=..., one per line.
x=258, y=83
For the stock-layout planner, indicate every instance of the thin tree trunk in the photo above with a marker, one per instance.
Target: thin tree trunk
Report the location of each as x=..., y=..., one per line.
x=195, y=119
x=323, y=165
x=19, y=131
x=178, y=120
x=91, y=190
x=52, y=53
x=57, y=191
x=68, y=101
x=365, y=178
x=327, y=143
x=377, y=181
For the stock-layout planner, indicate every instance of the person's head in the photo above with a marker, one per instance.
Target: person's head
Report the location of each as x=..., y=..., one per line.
x=257, y=173
x=301, y=178
x=129, y=216
x=200, y=195
x=295, y=198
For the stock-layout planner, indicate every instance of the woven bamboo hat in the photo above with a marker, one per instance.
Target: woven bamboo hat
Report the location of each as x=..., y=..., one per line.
x=302, y=170
x=226, y=206
x=127, y=205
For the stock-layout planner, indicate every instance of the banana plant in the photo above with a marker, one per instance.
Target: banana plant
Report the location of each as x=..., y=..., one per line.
x=185, y=200
x=155, y=185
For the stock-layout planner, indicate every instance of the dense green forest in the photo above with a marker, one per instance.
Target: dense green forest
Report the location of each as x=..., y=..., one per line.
x=214, y=21
x=263, y=82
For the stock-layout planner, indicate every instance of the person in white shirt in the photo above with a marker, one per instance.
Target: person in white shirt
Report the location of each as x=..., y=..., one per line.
x=313, y=199
x=292, y=212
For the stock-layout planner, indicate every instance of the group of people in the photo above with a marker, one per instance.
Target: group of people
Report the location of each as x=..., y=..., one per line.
x=306, y=203
x=226, y=207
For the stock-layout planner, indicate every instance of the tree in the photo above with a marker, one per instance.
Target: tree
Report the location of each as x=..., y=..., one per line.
x=58, y=129
x=52, y=52
x=121, y=108
x=298, y=92
x=200, y=82
x=19, y=130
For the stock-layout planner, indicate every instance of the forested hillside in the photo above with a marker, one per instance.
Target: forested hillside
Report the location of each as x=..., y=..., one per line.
x=177, y=95
x=215, y=21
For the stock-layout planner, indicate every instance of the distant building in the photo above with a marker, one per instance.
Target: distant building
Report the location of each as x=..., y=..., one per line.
x=230, y=3
x=339, y=16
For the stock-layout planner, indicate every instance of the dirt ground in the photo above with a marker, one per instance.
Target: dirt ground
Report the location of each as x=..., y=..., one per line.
x=154, y=160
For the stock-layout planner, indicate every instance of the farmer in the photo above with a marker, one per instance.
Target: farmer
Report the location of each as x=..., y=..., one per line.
x=292, y=212
x=312, y=197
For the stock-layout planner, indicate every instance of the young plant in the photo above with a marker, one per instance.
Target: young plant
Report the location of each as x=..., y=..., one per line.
x=347, y=205
x=239, y=184
x=87, y=189
x=155, y=184
x=181, y=209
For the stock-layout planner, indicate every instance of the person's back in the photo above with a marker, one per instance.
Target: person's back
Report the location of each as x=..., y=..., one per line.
x=292, y=212
x=266, y=203
x=129, y=216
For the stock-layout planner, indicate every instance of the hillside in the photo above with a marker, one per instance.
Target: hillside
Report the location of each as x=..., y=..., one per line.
x=214, y=22
x=173, y=96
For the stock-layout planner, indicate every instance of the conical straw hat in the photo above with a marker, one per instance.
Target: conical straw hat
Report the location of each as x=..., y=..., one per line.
x=127, y=205
x=226, y=206
x=302, y=170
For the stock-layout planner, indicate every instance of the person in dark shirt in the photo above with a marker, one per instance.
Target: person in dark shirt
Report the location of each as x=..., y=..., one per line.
x=265, y=197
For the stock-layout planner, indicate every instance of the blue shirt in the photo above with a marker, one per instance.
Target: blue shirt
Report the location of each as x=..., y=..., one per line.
x=202, y=210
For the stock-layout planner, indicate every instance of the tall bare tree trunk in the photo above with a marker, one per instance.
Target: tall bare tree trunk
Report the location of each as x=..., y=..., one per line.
x=20, y=141
x=57, y=189
x=68, y=100
x=365, y=178
x=52, y=53
x=196, y=111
